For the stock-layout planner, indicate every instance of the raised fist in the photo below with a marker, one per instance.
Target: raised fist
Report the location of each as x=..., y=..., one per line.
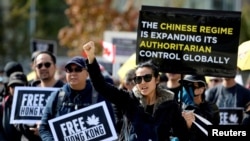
x=89, y=49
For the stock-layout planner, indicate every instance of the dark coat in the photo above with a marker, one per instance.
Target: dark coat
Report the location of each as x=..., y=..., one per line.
x=210, y=112
x=83, y=98
x=166, y=115
x=9, y=129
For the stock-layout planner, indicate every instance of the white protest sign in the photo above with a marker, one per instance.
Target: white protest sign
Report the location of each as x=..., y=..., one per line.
x=87, y=124
x=29, y=103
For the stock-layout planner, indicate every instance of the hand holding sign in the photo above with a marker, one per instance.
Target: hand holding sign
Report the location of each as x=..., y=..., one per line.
x=36, y=128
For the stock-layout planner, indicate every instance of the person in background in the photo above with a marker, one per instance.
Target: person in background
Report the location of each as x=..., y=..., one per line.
x=128, y=82
x=213, y=81
x=45, y=67
x=78, y=93
x=173, y=84
x=151, y=112
x=12, y=66
x=228, y=94
x=32, y=76
x=106, y=74
x=10, y=132
x=194, y=103
x=9, y=68
x=60, y=73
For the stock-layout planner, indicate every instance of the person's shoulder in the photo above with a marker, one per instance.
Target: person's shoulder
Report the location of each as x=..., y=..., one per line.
x=210, y=105
x=241, y=87
x=34, y=82
x=59, y=83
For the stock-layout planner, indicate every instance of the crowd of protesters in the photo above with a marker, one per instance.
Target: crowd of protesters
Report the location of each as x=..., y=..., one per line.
x=147, y=105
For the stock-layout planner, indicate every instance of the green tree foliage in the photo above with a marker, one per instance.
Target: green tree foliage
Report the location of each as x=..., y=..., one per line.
x=89, y=19
x=14, y=31
x=49, y=17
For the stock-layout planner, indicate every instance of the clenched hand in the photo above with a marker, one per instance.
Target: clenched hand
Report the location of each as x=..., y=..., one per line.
x=89, y=49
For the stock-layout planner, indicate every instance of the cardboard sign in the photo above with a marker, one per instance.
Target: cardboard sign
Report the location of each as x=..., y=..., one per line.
x=29, y=103
x=87, y=124
x=43, y=45
x=231, y=116
x=189, y=41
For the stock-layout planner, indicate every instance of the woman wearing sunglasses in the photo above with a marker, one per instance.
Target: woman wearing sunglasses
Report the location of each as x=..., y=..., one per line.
x=151, y=113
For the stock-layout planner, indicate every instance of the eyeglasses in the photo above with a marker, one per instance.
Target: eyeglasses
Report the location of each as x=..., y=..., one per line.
x=146, y=78
x=77, y=69
x=47, y=65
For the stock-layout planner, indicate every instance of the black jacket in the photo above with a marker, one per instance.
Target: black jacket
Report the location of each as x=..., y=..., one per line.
x=142, y=125
x=207, y=110
x=10, y=132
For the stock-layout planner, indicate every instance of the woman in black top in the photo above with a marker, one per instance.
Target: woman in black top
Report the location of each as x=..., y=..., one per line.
x=151, y=112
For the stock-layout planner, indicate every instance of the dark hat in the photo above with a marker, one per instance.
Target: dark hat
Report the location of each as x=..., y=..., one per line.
x=11, y=67
x=189, y=79
x=17, y=78
x=78, y=60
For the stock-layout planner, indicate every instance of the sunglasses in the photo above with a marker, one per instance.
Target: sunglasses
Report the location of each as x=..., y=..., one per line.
x=146, y=78
x=47, y=65
x=77, y=69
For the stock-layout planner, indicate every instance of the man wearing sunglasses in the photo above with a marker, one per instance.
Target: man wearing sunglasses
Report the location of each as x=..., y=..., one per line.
x=151, y=112
x=78, y=93
x=10, y=132
x=45, y=68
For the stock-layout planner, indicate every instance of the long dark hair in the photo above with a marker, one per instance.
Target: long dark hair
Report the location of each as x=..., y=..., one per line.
x=149, y=64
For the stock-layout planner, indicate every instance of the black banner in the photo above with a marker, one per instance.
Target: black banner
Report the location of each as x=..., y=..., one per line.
x=189, y=41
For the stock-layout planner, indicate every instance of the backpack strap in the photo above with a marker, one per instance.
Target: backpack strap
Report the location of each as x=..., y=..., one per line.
x=94, y=96
x=60, y=98
x=62, y=93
